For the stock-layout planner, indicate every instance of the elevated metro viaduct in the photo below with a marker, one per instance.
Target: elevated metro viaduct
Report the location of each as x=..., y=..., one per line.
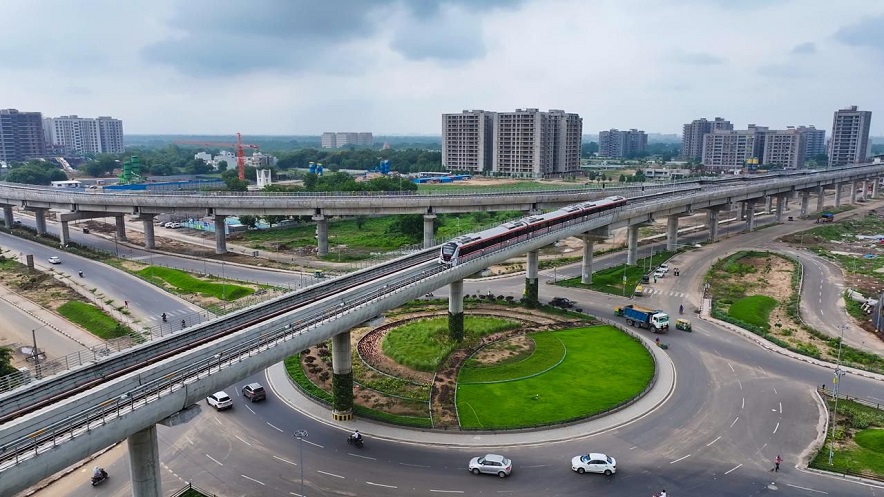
x=278, y=340
x=146, y=206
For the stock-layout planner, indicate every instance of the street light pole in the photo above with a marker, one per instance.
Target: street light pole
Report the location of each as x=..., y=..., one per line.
x=837, y=380
x=301, y=435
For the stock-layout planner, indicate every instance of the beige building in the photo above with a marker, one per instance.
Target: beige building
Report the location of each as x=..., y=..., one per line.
x=331, y=139
x=84, y=135
x=850, y=136
x=692, y=144
x=786, y=148
x=467, y=141
x=723, y=148
x=534, y=144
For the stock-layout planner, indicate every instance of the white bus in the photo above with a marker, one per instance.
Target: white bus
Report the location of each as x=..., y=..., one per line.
x=66, y=184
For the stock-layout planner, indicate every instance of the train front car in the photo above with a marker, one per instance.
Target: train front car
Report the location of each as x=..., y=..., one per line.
x=449, y=253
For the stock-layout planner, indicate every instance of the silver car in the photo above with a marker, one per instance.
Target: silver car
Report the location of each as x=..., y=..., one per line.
x=493, y=464
x=594, y=462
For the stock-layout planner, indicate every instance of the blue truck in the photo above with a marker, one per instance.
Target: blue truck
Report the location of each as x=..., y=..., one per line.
x=655, y=320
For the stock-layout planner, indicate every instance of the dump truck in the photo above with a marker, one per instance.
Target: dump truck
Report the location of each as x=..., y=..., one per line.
x=655, y=320
x=826, y=217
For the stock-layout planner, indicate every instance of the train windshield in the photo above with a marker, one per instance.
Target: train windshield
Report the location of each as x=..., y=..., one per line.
x=448, y=249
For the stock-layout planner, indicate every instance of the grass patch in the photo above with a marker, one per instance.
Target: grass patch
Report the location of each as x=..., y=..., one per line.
x=591, y=379
x=424, y=344
x=548, y=351
x=754, y=310
x=611, y=280
x=93, y=319
x=185, y=283
x=859, y=441
x=873, y=440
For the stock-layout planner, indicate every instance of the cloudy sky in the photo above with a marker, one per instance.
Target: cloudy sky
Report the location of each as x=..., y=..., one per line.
x=394, y=66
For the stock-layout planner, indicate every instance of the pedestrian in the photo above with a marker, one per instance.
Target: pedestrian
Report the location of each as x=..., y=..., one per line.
x=126, y=303
x=655, y=279
x=777, y=462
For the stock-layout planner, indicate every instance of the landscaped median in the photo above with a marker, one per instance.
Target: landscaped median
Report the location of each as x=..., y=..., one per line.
x=859, y=440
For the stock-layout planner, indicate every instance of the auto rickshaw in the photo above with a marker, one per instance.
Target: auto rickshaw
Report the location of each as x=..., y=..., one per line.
x=683, y=324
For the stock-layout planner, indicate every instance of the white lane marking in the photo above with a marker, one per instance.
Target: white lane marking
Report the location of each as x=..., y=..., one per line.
x=447, y=491
x=364, y=457
x=740, y=383
x=413, y=465
x=680, y=459
x=743, y=404
x=188, y=439
x=762, y=369
x=712, y=442
x=285, y=461
x=380, y=485
x=808, y=489
x=243, y=440
x=330, y=474
x=274, y=427
x=732, y=469
x=254, y=480
x=312, y=443
x=250, y=408
x=219, y=463
x=762, y=448
x=633, y=447
x=732, y=368
x=296, y=495
x=537, y=466
x=775, y=390
x=735, y=421
x=781, y=408
x=777, y=427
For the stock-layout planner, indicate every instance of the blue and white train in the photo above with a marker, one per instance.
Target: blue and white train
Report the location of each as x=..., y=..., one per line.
x=463, y=247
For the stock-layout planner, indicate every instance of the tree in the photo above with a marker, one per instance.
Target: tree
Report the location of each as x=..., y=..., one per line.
x=198, y=166
x=236, y=185
x=250, y=221
x=36, y=173
x=100, y=167
x=222, y=165
x=274, y=219
x=410, y=225
x=6, y=367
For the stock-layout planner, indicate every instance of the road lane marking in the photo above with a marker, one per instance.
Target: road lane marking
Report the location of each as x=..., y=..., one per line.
x=762, y=448
x=219, y=463
x=243, y=440
x=330, y=474
x=735, y=421
x=633, y=447
x=311, y=443
x=808, y=489
x=732, y=368
x=762, y=369
x=732, y=469
x=188, y=439
x=447, y=491
x=781, y=408
x=285, y=461
x=712, y=442
x=380, y=485
x=274, y=427
x=775, y=390
x=413, y=465
x=743, y=404
x=740, y=383
x=680, y=459
x=777, y=427
x=254, y=480
x=364, y=457
x=250, y=408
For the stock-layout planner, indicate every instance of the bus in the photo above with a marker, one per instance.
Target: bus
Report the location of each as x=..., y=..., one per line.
x=66, y=184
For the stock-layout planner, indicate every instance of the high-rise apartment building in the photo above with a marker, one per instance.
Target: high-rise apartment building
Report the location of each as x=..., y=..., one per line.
x=814, y=141
x=692, y=144
x=331, y=139
x=21, y=136
x=468, y=141
x=616, y=143
x=786, y=148
x=84, y=135
x=530, y=143
x=728, y=148
x=850, y=136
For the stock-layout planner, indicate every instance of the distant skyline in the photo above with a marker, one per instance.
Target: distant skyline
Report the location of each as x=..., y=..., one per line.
x=393, y=67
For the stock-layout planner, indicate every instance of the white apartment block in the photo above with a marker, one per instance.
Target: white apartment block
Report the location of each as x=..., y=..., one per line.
x=850, y=136
x=331, y=139
x=534, y=144
x=692, y=144
x=83, y=135
x=785, y=148
x=467, y=141
x=616, y=143
x=723, y=148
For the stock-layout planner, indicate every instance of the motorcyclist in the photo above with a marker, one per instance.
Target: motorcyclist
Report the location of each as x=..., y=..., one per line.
x=163, y=315
x=80, y=273
x=356, y=436
x=98, y=473
x=662, y=493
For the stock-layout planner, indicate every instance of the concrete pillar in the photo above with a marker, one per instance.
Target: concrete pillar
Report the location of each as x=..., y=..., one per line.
x=455, y=311
x=805, y=201
x=750, y=215
x=820, y=199
x=838, y=188
x=875, y=183
x=120, y=222
x=586, y=267
x=532, y=284
x=150, y=241
x=220, y=234
x=768, y=204
x=712, y=223
x=40, y=218
x=65, y=234
x=144, y=463
x=865, y=193
x=672, y=233
x=342, y=378
x=321, y=234
x=632, y=245
x=7, y=216
x=429, y=238
x=781, y=204
x=851, y=190
x=742, y=211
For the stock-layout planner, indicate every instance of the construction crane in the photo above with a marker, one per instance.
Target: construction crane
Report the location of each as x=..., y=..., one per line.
x=239, y=146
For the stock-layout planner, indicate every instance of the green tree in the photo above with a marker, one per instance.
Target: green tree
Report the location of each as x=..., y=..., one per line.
x=410, y=225
x=250, y=221
x=198, y=166
x=36, y=173
x=274, y=219
x=100, y=167
x=6, y=366
x=222, y=165
x=235, y=184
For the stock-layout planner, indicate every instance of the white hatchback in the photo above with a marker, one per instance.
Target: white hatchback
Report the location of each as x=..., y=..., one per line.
x=594, y=462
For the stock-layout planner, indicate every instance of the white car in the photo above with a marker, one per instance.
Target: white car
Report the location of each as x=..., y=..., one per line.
x=493, y=464
x=659, y=273
x=664, y=267
x=220, y=401
x=54, y=260
x=594, y=462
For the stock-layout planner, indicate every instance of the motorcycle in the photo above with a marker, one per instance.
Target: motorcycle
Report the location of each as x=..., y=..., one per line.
x=96, y=480
x=355, y=441
x=80, y=273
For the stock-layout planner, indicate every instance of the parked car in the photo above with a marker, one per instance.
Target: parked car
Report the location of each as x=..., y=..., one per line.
x=174, y=225
x=492, y=464
x=54, y=260
x=646, y=278
x=664, y=267
x=219, y=400
x=561, y=302
x=594, y=462
x=659, y=273
x=254, y=392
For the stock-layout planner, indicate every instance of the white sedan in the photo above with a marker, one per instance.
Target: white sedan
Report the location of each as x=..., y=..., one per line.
x=54, y=260
x=594, y=463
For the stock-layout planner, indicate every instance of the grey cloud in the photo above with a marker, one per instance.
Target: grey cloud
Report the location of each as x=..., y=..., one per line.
x=698, y=58
x=804, y=48
x=868, y=33
x=231, y=37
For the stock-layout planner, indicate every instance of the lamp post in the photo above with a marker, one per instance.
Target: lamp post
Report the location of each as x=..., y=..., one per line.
x=36, y=352
x=837, y=380
x=301, y=435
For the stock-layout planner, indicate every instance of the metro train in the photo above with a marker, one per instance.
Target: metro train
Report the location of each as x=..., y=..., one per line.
x=455, y=251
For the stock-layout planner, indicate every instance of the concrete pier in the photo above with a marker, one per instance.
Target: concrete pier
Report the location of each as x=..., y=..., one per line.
x=144, y=463
x=220, y=234
x=321, y=235
x=429, y=233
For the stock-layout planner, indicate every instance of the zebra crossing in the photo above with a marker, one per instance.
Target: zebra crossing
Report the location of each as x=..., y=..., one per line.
x=187, y=314
x=655, y=291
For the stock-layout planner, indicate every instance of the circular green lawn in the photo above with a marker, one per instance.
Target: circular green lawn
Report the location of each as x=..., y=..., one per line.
x=572, y=374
